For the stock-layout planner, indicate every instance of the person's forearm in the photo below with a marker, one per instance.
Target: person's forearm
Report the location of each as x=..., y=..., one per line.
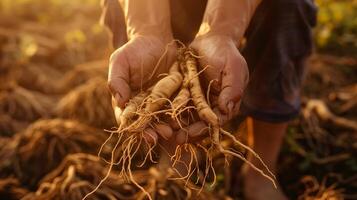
x=147, y=17
x=228, y=17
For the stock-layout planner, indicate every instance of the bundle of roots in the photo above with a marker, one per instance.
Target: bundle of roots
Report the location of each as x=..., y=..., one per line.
x=79, y=174
x=315, y=108
x=43, y=145
x=9, y=126
x=76, y=176
x=89, y=103
x=48, y=80
x=10, y=189
x=41, y=78
x=83, y=73
x=320, y=191
x=7, y=155
x=160, y=185
x=25, y=105
x=177, y=95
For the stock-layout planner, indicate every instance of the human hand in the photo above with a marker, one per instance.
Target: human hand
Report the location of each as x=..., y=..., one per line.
x=136, y=65
x=225, y=72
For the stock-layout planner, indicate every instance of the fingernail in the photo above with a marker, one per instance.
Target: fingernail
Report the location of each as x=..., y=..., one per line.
x=181, y=137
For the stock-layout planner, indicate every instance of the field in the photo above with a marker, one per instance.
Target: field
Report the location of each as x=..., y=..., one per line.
x=55, y=110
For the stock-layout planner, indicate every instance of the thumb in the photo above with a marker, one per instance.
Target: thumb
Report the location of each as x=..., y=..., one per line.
x=234, y=79
x=118, y=78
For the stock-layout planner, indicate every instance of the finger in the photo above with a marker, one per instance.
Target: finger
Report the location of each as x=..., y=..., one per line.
x=234, y=80
x=213, y=100
x=173, y=123
x=224, y=118
x=164, y=130
x=191, y=133
x=150, y=136
x=118, y=78
x=117, y=111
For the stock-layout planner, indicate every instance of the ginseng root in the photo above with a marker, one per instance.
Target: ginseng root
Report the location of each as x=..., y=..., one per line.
x=179, y=97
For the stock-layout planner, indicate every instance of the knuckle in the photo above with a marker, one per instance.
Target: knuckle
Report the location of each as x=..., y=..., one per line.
x=114, y=55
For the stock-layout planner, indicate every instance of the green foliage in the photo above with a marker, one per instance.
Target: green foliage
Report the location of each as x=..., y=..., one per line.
x=337, y=26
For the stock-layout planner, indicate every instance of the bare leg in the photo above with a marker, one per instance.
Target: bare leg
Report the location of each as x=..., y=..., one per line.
x=268, y=138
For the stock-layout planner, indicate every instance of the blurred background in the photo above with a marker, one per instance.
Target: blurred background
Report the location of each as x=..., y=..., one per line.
x=54, y=102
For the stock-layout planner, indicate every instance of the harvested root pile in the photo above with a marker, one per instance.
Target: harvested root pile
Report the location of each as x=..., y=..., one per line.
x=319, y=108
x=48, y=80
x=7, y=156
x=79, y=174
x=159, y=185
x=83, y=73
x=22, y=104
x=10, y=189
x=177, y=95
x=320, y=191
x=74, y=178
x=9, y=126
x=347, y=97
x=45, y=143
x=41, y=78
x=89, y=103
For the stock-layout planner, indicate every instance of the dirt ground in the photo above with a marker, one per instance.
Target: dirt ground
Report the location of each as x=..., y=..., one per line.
x=54, y=104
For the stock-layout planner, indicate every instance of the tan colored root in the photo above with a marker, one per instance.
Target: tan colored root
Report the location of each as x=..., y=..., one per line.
x=198, y=98
x=180, y=101
x=237, y=142
x=229, y=152
x=159, y=185
x=191, y=167
x=7, y=155
x=45, y=143
x=10, y=126
x=83, y=73
x=161, y=58
x=126, y=147
x=206, y=114
x=76, y=176
x=320, y=191
x=130, y=144
x=164, y=89
x=129, y=138
x=183, y=97
x=320, y=108
x=10, y=188
x=159, y=96
x=209, y=91
x=124, y=117
x=22, y=104
x=89, y=103
x=41, y=78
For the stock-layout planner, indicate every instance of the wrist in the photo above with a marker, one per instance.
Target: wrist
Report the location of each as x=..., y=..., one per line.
x=164, y=35
x=214, y=38
x=148, y=18
x=228, y=17
x=226, y=28
x=221, y=33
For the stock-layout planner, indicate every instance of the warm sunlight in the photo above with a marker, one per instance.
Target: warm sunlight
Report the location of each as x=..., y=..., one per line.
x=178, y=99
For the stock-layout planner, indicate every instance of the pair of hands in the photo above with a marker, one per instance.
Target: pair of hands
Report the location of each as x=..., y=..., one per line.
x=132, y=65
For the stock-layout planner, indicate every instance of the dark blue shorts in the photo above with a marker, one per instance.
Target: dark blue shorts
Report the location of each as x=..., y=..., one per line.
x=278, y=41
